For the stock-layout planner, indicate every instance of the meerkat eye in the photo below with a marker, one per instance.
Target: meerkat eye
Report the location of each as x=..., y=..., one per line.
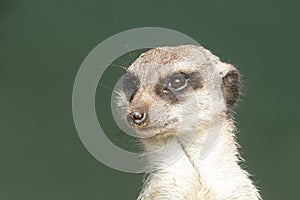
x=130, y=85
x=177, y=82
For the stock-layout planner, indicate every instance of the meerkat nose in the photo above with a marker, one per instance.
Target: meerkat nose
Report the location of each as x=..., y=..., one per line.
x=138, y=117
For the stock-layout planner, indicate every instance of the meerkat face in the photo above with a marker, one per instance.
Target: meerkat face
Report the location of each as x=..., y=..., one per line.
x=177, y=89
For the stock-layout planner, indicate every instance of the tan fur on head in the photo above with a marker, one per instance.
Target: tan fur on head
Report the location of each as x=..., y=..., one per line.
x=177, y=97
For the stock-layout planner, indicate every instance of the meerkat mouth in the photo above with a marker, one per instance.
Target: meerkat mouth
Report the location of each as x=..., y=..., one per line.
x=152, y=131
x=151, y=128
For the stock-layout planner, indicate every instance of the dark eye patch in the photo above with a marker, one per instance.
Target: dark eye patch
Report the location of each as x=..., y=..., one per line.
x=131, y=84
x=172, y=87
x=195, y=80
x=178, y=82
x=163, y=92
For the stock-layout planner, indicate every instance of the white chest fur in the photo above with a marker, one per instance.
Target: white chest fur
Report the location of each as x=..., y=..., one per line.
x=217, y=176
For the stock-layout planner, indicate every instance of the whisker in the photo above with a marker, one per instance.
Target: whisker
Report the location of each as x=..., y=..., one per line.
x=129, y=50
x=120, y=134
x=125, y=63
x=122, y=67
x=106, y=86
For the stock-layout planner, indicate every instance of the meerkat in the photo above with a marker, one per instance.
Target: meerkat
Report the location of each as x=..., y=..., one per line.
x=180, y=101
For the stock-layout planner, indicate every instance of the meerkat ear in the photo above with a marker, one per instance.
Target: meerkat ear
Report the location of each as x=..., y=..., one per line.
x=231, y=87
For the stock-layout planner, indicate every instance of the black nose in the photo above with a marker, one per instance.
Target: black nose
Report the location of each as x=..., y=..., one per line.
x=138, y=117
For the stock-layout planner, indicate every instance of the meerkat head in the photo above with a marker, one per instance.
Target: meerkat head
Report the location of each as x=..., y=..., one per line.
x=169, y=90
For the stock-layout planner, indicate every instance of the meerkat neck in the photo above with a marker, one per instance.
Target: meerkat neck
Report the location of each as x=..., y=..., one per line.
x=215, y=157
x=203, y=165
x=171, y=174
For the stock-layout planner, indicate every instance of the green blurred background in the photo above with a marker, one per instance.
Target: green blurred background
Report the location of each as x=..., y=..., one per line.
x=43, y=43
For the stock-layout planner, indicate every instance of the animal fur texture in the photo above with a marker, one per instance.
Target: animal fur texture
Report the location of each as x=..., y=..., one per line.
x=185, y=97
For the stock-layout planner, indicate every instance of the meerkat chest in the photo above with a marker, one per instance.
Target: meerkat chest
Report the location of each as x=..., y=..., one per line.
x=178, y=181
